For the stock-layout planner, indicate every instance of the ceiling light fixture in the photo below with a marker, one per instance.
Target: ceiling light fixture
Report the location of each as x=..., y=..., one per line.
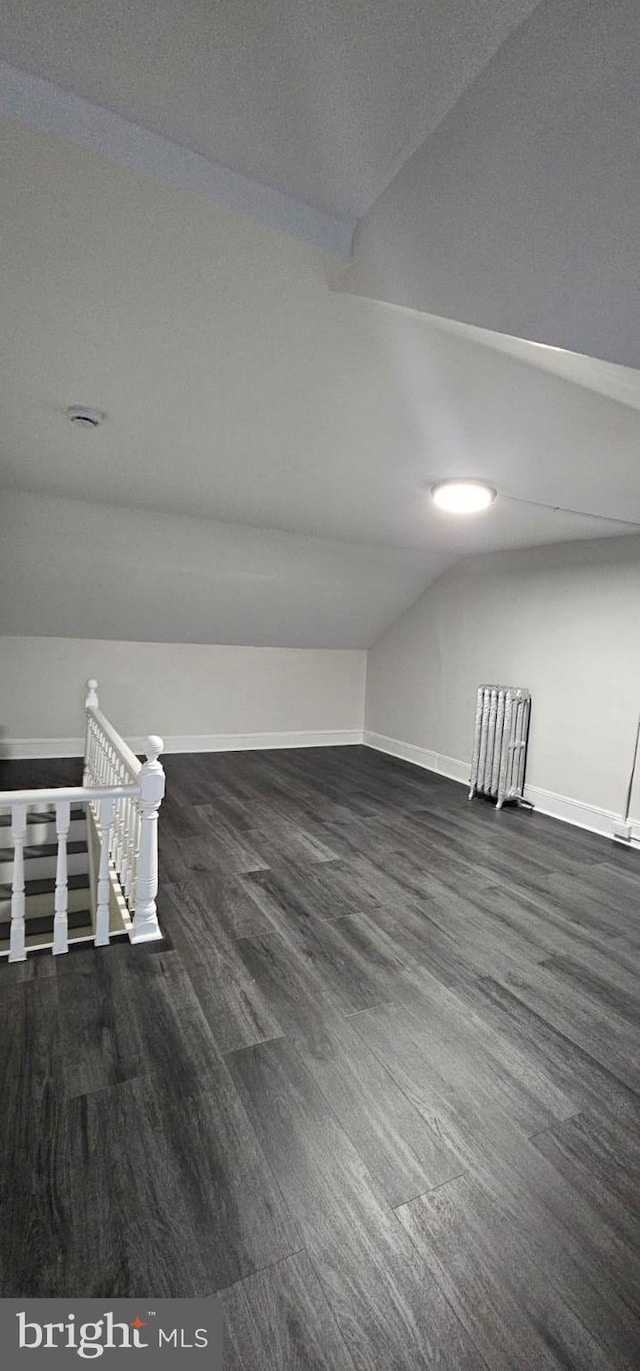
x=83, y=417
x=463, y=495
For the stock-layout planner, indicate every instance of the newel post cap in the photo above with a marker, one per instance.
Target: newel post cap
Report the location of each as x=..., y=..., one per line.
x=153, y=747
x=91, y=701
x=152, y=774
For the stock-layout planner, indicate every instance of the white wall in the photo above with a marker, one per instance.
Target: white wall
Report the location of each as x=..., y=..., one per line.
x=562, y=621
x=195, y=696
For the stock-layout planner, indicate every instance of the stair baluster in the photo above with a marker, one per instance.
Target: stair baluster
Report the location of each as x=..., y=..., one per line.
x=101, y=939
x=126, y=846
x=60, y=919
x=17, y=948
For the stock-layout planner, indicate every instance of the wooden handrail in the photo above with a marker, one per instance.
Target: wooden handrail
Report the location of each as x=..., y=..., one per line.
x=78, y=794
x=122, y=748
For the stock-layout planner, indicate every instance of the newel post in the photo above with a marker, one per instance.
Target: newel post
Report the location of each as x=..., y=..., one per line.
x=145, y=920
x=91, y=702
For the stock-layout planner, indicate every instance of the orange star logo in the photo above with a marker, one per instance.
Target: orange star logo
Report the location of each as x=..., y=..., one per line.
x=137, y=1322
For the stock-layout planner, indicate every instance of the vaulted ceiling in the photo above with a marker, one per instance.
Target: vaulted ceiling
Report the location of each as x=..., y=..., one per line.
x=247, y=384
x=322, y=101
x=519, y=213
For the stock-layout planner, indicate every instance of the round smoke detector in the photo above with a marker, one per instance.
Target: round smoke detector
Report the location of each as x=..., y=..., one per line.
x=83, y=417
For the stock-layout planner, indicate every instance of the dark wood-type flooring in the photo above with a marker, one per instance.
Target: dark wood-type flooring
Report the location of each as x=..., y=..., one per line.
x=379, y=1086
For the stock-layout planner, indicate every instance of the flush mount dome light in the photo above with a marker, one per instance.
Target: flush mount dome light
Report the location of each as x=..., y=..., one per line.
x=463, y=495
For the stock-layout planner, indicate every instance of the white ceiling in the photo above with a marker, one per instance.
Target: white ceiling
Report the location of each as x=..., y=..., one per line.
x=520, y=212
x=241, y=389
x=606, y=378
x=76, y=570
x=323, y=101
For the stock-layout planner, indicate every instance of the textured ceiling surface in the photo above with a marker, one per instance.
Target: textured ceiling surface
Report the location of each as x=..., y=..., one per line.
x=322, y=101
x=238, y=386
x=519, y=213
x=270, y=437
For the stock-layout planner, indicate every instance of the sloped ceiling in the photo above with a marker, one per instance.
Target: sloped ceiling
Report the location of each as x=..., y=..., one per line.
x=321, y=100
x=519, y=214
x=260, y=476
x=85, y=570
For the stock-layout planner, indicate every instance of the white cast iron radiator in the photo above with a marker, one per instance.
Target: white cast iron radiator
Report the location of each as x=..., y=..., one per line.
x=500, y=742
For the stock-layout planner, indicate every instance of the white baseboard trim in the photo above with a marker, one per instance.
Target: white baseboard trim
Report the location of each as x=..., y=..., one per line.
x=18, y=749
x=569, y=811
x=249, y=742
x=420, y=756
x=22, y=749
x=562, y=807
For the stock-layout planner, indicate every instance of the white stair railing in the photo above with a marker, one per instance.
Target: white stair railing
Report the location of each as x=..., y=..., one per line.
x=129, y=827
x=122, y=797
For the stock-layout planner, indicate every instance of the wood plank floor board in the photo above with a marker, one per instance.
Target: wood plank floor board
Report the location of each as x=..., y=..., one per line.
x=228, y=905
x=31, y=1091
x=234, y=1008
x=124, y=1014
x=291, y=894
x=510, y=834
x=221, y=850
x=379, y=1085
x=581, y=1078
x=545, y=926
x=223, y=808
x=354, y=965
x=607, y=984
x=443, y=850
x=235, y=1212
x=179, y=816
x=619, y=886
x=427, y=942
x=602, y=1032
x=285, y=841
x=272, y=839
x=481, y=939
x=388, y=1309
x=368, y=884
x=31, y=1054
x=34, y=1236
x=176, y=1196
x=499, y=1291
x=576, y=1150
x=403, y=1155
x=588, y=905
x=559, y=1226
x=608, y=1148
x=475, y=1048
x=279, y=1320
x=17, y=973
x=358, y=967
x=40, y=772
x=469, y=1102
